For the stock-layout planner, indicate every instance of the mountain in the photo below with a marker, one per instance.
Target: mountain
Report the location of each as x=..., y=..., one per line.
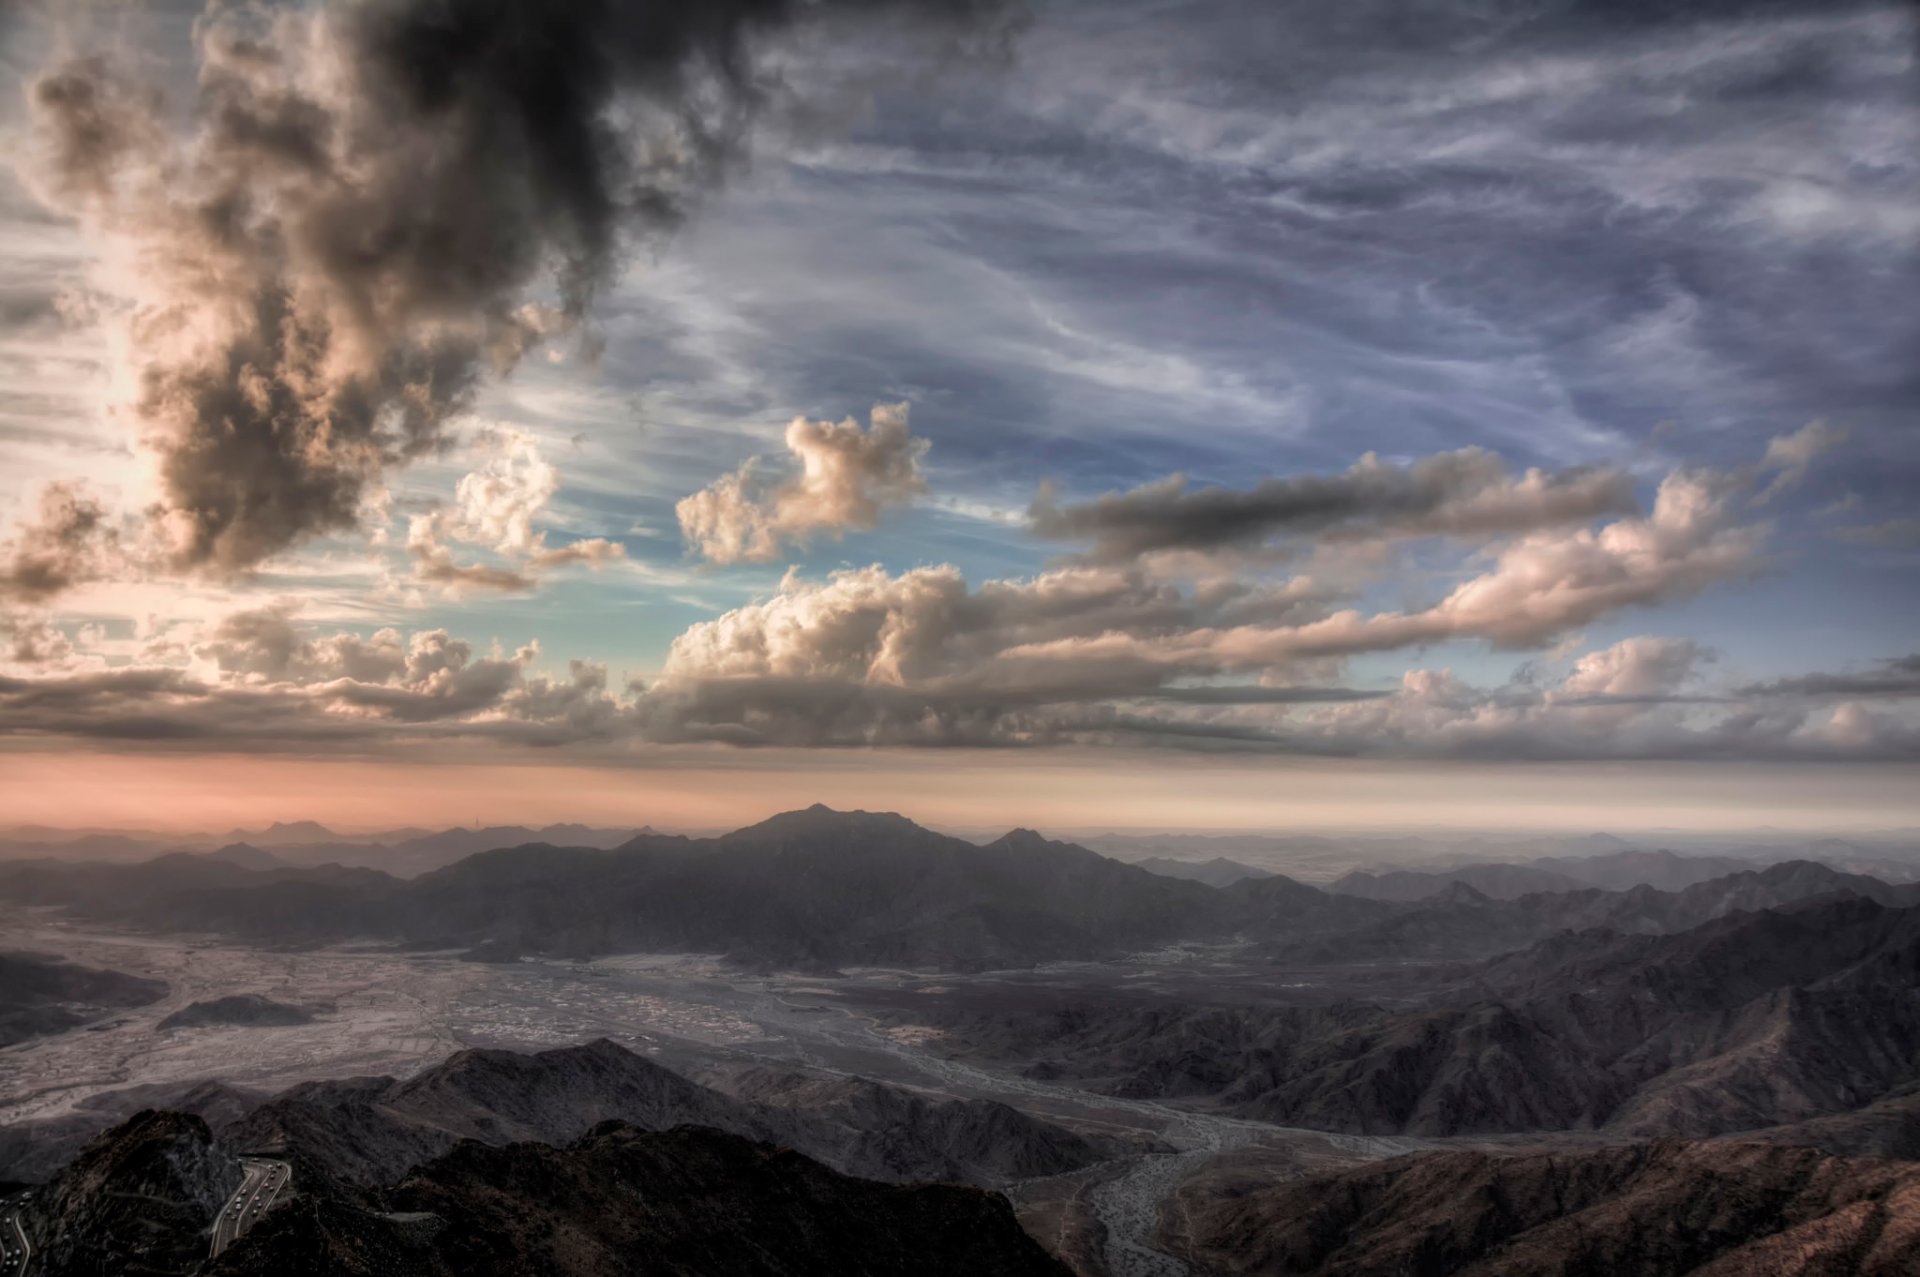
x=818, y=889
x=625, y=1201
x=1751, y=1020
x=282, y=833
x=373, y=1130
x=1218, y=872
x=1497, y=882
x=41, y=995
x=886, y=1133
x=1619, y=870
x=139, y=1201
x=812, y=889
x=1461, y=922
x=246, y=1009
x=246, y=855
x=1651, y=1210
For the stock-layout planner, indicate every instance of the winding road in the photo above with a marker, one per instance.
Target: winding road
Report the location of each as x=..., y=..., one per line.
x=264, y=1181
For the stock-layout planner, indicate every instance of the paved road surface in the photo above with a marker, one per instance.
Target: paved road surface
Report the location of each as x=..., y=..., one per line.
x=265, y=1181
x=13, y=1238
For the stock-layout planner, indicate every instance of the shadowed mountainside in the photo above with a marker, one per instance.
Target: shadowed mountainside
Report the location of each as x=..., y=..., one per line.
x=373, y=1130
x=140, y=1200
x=41, y=995
x=1748, y=1021
x=687, y=1201
x=1651, y=1210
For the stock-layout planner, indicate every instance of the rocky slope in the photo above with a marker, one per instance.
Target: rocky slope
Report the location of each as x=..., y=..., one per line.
x=139, y=1200
x=624, y=1201
x=373, y=1130
x=1651, y=1210
x=41, y=995
x=885, y=1133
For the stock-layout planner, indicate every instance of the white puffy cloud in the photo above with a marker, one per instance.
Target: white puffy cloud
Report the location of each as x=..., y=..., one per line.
x=496, y=507
x=846, y=477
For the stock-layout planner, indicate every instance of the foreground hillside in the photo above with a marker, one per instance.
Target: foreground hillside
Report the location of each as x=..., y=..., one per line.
x=1650, y=1210
x=143, y=1199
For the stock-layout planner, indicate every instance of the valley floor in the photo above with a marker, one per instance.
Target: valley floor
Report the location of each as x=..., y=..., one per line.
x=383, y=1012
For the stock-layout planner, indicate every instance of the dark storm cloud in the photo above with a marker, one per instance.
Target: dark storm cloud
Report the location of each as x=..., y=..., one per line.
x=375, y=198
x=69, y=542
x=1465, y=493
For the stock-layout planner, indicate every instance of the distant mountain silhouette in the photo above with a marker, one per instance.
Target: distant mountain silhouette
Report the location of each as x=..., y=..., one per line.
x=1217, y=872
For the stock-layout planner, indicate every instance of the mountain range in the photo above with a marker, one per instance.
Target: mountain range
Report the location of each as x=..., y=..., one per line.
x=1656, y=1209
x=819, y=889
x=1750, y=1020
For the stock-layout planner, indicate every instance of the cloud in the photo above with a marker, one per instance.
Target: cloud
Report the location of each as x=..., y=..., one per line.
x=71, y=541
x=1468, y=493
x=846, y=477
x=1898, y=677
x=1790, y=456
x=433, y=562
x=1896, y=532
x=496, y=507
x=1540, y=587
x=497, y=504
x=259, y=679
x=382, y=202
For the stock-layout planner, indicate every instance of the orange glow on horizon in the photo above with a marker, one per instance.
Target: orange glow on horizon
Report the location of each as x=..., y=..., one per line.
x=1054, y=790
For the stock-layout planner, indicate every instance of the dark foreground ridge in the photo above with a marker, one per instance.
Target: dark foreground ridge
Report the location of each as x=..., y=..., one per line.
x=624, y=1201
x=142, y=1200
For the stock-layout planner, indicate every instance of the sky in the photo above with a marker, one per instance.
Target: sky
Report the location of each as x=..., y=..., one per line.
x=1184, y=415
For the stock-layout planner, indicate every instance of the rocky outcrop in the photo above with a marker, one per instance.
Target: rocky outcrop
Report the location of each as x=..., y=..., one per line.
x=140, y=1200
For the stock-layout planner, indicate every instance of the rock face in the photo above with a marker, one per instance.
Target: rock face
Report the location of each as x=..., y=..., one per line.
x=248, y=1009
x=1749, y=1021
x=140, y=1199
x=373, y=1130
x=1650, y=1210
x=41, y=995
x=686, y=1201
